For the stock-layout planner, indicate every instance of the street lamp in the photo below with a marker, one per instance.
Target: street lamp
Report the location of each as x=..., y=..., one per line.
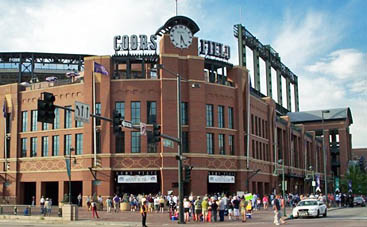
x=280, y=162
x=323, y=150
x=70, y=150
x=179, y=145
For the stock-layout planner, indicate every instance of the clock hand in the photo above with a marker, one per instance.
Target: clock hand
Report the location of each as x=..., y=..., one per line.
x=182, y=40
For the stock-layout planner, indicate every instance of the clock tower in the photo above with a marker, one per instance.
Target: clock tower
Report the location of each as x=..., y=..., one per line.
x=178, y=36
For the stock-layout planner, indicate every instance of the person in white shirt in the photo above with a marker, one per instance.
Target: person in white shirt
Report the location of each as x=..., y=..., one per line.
x=187, y=206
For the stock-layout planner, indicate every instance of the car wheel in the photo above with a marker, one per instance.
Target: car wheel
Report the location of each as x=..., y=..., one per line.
x=325, y=214
x=318, y=213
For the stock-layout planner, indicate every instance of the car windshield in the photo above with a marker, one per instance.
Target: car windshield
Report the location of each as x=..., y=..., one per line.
x=307, y=203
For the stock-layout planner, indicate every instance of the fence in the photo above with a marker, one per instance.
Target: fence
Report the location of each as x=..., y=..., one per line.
x=27, y=210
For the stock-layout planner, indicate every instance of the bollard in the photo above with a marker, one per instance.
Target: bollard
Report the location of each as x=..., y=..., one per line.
x=15, y=210
x=26, y=211
x=59, y=213
x=30, y=210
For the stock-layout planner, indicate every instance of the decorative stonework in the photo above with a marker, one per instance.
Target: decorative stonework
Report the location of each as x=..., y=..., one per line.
x=128, y=162
x=221, y=163
x=51, y=164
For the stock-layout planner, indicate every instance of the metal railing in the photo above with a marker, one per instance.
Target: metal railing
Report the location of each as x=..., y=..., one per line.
x=28, y=210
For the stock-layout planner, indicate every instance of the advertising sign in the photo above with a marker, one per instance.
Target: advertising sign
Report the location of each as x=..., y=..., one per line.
x=137, y=179
x=221, y=179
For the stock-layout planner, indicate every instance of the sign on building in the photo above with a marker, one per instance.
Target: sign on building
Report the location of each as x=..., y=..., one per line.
x=221, y=179
x=82, y=112
x=137, y=179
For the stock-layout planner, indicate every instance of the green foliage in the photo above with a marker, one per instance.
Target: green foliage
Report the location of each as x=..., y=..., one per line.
x=358, y=178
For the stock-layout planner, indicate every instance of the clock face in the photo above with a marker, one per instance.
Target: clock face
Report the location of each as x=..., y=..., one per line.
x=181, y=36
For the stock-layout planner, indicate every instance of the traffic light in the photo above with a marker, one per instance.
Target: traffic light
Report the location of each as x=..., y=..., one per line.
x=188, y=173
x=156, y=133
x=116, y=120
x=46, y=108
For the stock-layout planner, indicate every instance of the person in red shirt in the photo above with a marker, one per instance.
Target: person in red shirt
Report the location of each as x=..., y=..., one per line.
x=265, y=202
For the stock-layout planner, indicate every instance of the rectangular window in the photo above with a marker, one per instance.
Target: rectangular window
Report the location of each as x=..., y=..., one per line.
x=44, y=146
x=34, y=120
x=98, y=142
x=135, y=112
x=23, y=152
x=221, y=116
x=253, y=148
x=55, y=145
x=67, y=144
x=210, y=143
x=67, y=119
x=33, y=147
x=152, y=147
x=79, y=144
x=230, y=117
x=184, y=113
x=98, y=112
x=135, y=142
x=44, y=126
x=24, y=121
x=221, y=140
x=256, y=126
x=57, y=118
x=120, y=142
x=151, y=112
x=78, y=124
x=185, y=142
x=231, y=144
x=120, y=108
x=252, y=124
x=209, y=115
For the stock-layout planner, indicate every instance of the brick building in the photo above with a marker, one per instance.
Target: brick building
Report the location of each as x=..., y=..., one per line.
x=230, y=132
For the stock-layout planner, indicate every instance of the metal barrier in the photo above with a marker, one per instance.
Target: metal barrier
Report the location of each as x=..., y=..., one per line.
x=27, y=210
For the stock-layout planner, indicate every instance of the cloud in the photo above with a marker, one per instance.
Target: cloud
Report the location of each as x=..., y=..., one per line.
x=304, y=36
x=342, y=64
x=79, y=26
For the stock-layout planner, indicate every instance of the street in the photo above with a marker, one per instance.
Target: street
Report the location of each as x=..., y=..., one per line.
x=347, y=217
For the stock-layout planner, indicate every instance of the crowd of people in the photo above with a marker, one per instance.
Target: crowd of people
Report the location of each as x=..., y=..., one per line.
x=211, y=208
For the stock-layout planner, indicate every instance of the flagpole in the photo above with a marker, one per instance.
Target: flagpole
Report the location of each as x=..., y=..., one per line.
x=94, y=119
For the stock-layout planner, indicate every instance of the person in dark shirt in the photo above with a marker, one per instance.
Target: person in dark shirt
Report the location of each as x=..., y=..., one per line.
x=214, y=206
x=143, y=211
x=277, y=211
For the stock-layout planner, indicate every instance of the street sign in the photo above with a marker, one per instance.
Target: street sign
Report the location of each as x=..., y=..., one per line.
x=127, y=124
x=82, y=112
x=313, y=183
x=168, y=143
x=143, y=129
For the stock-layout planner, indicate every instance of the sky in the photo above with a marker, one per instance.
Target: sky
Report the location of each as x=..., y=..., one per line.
x=322, y=41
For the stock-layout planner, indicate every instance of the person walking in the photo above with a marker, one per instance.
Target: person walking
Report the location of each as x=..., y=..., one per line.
x=89, y=203
x=45, y=209
x=214, y=206
x=243, y=205
x=79, y=199
x=277, y=211
x=94, y=209
x=109, y=204
x=116, y=203
x=42, y=205
x=265, y=202
x=144, y=211
x=204, y=207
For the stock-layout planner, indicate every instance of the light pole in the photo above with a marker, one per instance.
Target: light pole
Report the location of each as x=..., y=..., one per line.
x=281, y=162
x=179, y=145
x=313, y=178
x=324, y=152
x=71, y=149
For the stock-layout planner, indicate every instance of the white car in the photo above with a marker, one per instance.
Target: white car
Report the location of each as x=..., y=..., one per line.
x=310, y=208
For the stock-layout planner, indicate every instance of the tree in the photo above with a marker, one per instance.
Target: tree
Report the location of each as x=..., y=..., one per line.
x=358, y=178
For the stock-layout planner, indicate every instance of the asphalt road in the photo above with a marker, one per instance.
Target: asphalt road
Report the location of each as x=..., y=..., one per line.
x=348, y=217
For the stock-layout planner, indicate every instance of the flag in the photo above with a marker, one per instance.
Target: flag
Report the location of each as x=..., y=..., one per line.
x=5, y=109
x=98, y=68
